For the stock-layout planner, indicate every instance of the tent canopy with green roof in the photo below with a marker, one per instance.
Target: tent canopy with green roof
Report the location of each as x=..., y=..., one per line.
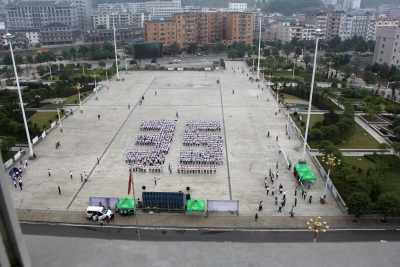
x=126, y=203
x=195, y=205
x=304, y=171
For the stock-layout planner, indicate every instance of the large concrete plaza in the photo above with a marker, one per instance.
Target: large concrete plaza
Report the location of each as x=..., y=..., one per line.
x=246, y=117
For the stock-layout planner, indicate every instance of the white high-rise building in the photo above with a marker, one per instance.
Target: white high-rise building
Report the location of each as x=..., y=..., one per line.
x=238, y=6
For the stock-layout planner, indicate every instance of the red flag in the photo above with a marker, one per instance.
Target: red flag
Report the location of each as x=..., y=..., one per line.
x=130, y=182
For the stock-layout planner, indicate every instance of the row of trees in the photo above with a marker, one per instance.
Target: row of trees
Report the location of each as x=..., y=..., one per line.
x=366, y=196
x=175, y=48
x=357, y=43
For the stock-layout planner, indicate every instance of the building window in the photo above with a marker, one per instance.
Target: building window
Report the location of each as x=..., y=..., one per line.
x=380, y=60
x=381, y=52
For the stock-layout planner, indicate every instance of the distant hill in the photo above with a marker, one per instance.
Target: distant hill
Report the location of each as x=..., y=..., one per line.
x=289, y=7
x=376, y=3
x=207, y=3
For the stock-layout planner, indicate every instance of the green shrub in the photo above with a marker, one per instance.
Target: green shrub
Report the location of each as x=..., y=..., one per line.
x=303, y=123
x=295, y=113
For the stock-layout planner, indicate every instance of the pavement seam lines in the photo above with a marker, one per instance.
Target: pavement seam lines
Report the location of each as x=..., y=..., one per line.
x=226, y=147
x=112, y=140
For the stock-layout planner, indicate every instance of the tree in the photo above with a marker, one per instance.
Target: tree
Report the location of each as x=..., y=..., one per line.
x=38, y=45
x=396, y=147
x=388, y=205
x=204, y=48
x=219, y=48
x=297, y=51
x=29, y=59
x=250, y=52
x=361, y=46
x=102, y=63
x=18, y=59
x=347, y=70
x=232, y=53
x=369, y=77
x=307, y=59
x=7, y=59
x=174, y=48
x=192, y=48
x=359, y=204
x=288, y=48
x=7, y=143
x=101, y=27
x=72, y=51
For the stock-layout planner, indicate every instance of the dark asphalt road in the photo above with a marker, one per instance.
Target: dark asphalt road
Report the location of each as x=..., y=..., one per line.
x=210, y=236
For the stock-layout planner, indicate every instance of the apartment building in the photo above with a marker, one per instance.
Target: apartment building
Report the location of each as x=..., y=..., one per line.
x=109, y=19
x=84, y=11
x=318, y=21
x=271, y=32
x=121, y=33
x=29, y=15
x=346, y=27
x=287, y=29
x=308, y=34
x=201, y=29
x=359, y=24
x=237, y=6
x=333, y=24
x=58, y=33
x=385, y=22
x=387, y=47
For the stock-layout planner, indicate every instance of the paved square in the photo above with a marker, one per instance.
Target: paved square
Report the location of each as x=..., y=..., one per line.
x=246, y=117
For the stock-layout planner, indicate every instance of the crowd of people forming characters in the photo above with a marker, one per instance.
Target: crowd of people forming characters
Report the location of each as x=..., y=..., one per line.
x=153, y=157
x=212, y=155
x=192, y=161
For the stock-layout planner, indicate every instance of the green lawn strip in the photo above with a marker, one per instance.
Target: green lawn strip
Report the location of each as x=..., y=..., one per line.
x=313, y=119
x=372, y=119
x=357, y=140
x=292, y=97
x=71, y=99
x=353, y=100
x=287, y=75
x=77, y=73
x=8, y=155
x=42, y=118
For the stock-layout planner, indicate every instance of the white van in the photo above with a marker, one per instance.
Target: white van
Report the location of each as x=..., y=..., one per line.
x=97, y=213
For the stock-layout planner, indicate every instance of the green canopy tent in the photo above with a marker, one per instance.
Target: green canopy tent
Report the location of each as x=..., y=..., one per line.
x=304, y=172
x=126, y=206
x=195, y=205
x=308, y=176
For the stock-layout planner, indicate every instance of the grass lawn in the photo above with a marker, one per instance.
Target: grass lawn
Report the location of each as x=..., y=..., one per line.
x=313, y=119
x=353, y=100
x=42, y=119
x=71, y=100
x=359, y=140
x=372, y=119
x=292, y=97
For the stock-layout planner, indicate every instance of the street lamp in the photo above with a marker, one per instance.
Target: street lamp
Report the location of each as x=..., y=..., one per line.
x=106, y=76
x=94, y=75
x=269, y=76
x=317, y=227
x=387, y=88
x=259, y=47
x=49, y=62
x=329, y=68
x=78, y=87
x=329, y=161
x=83, y=66
x=115, y=47
x=318, y=33
x=57, y=102
x=294, y=67
x=9, y=37
x=126, y=67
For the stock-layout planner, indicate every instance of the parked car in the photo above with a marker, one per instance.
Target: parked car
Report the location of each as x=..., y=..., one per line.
x=177, y=61
x=97, y=213
x=199, y=54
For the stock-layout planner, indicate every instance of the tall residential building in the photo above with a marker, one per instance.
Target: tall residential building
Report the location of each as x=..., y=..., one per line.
x=385, y=22
x=318, y=21
x=163, y=9
x=288, y=29
x=29, y=15
x=201, y=29
x=84, y=11
x=238, y=6
x=333, y=24
x=346, y=26
x=359, y=24
x=387, y=47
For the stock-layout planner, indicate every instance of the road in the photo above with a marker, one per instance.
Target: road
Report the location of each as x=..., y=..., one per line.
x=248, y=236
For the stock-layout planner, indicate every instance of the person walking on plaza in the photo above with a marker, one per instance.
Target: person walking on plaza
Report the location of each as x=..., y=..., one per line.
x=98, y=116
x=276, y=175
x=280, y=191
x=295, y=201
x=81, y=177
x=48, y=171
x=276, y=138
x=310, y=199
x=284, y=194
x=155, y=181
x=276, y=201
x=98, y=161
x=26, y=162
x=273, y=191
x=256, y=217
x=302, y=193
x=260, y=206
x=280, y=207
x=305, y=195
x=267, y=190
x=20, y=183
x=276, y=165
x=15, y=183
x=295, y=191
x=233, y=91
x=292, y=213
x=70, y=174
x=85, y=176
x=59, y=190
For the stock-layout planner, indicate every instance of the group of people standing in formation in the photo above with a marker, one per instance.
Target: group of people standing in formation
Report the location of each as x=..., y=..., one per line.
x=154, y=157
x=16, y=173
x=191, y=160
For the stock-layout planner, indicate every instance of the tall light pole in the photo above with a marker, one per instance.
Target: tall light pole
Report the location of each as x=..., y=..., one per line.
x=78, y=87
x=318, y=33
x=9, y=37
x=330, y=160
x=317, y=225
x=94, y=75
x=115, y=48
x=126, y=67
x=106, y=76
x=57, y=102
x=83, y=67
x=294, y=67
x=387, y=88
x=259, y=47
x=51, y=76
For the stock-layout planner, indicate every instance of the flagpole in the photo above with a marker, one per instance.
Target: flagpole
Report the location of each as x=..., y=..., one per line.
x=133, y=193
